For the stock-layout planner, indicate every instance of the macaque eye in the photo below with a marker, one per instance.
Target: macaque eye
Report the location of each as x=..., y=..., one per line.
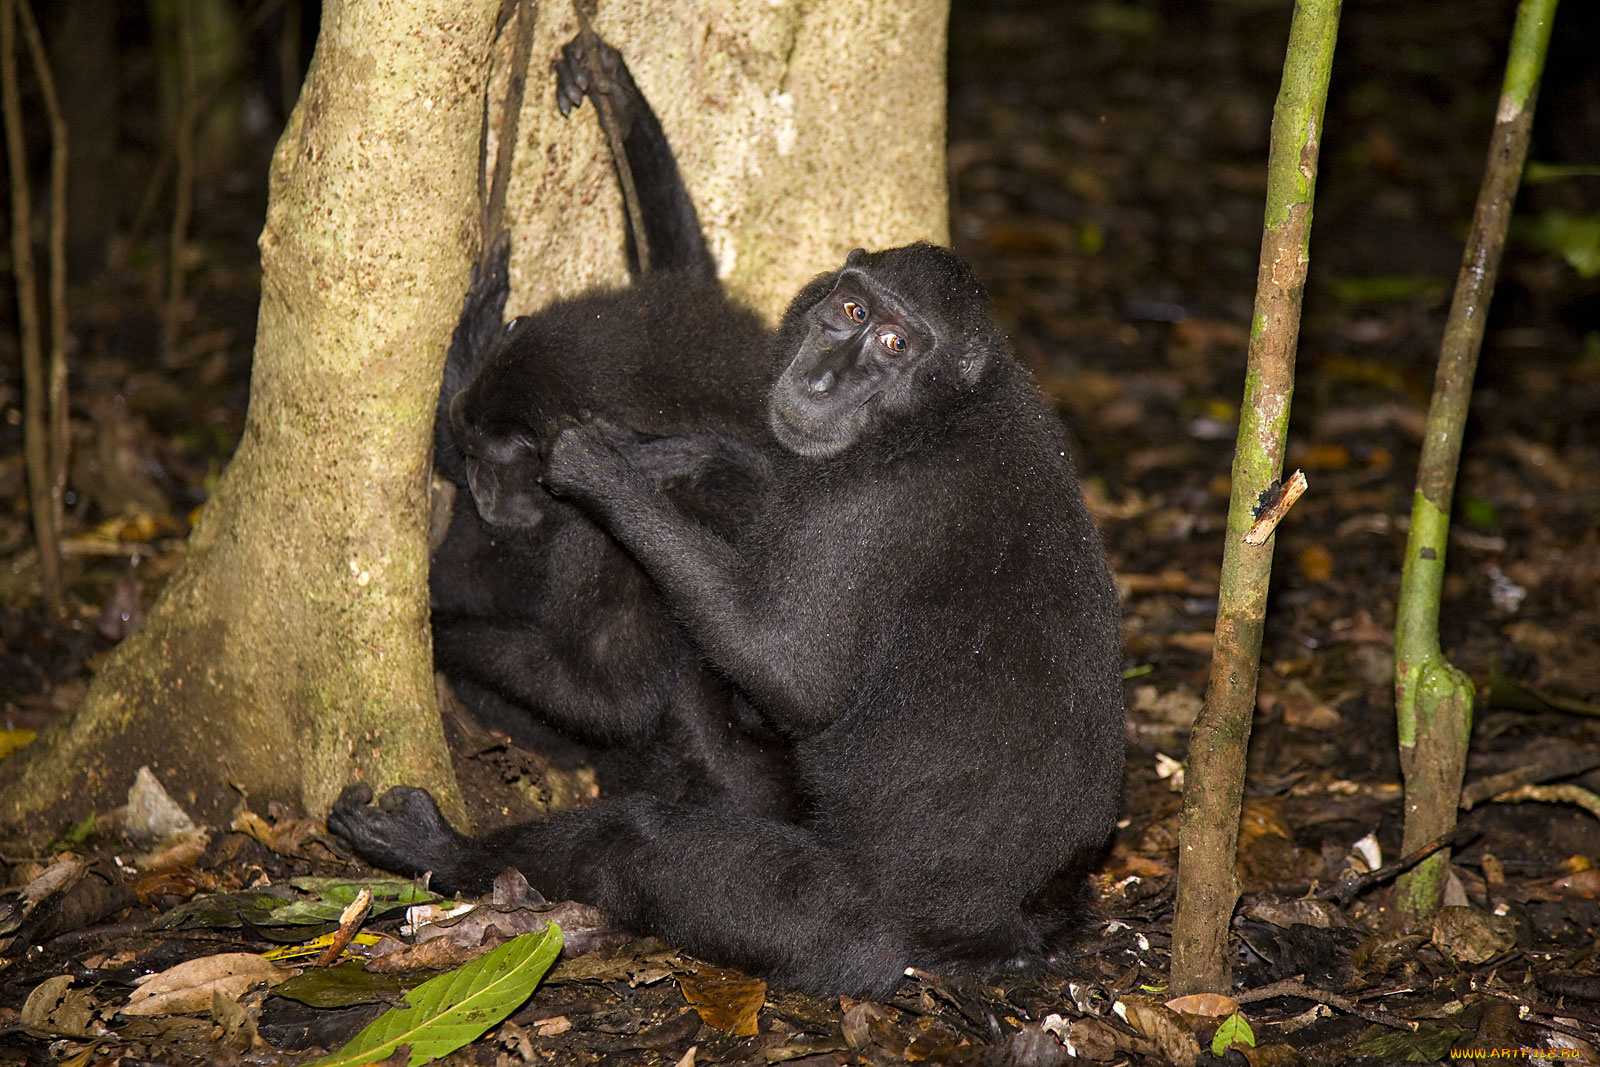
x=856, y=312
x=894, y=342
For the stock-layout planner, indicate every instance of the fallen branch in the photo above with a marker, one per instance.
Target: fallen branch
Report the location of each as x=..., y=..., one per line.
x=1546, y=1012
x=1563, y=766
x=1296, y=987
x=1352, y=884
x=1553, y=794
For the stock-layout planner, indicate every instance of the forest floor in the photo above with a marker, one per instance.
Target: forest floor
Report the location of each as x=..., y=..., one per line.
x=1107, y=175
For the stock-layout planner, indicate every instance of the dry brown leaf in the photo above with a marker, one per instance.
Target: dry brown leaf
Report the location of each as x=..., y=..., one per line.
x=189, y=986
x=1211, y=1005
x=1261, y=817
x=56, y=1009
x=726, y=1000
x=1278, y=1055
x=181, y=849
x=1323, y=457
x=286, y=834
x=1315, y=563
x=1472, y=936
x=866, y=1023
x=1163, y=1026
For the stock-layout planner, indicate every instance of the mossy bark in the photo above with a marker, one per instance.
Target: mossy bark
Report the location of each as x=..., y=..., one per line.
x=290, y=654
x=1208, y=827
x=1433, y=699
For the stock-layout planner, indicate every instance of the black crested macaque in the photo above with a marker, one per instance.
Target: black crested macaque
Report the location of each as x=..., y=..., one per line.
x=545, y=627
x=920, y=604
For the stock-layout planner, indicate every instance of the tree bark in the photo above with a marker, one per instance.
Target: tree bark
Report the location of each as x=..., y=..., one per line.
x=1208, y=826
x=802, y=131
x=290, y=655
x=1433, y=698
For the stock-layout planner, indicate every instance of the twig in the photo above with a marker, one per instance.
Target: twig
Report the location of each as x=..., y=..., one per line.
x=1214, y=770
x=1432, y=696
x=1296, y=987
x=1553, y=794
x=1527, y=1007
x=492, y=189
x=1352, y=885
x=59, y=442
x=35, y=432
x=183, y=191
x=1570, y=763
x=350, y=920
x=619, y=157
x=1276, y=500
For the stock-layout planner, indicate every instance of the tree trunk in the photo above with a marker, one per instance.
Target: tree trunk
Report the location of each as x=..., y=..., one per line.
x=1433, y=698
x=290, y=654
x=802, y=131
x=1213, y=792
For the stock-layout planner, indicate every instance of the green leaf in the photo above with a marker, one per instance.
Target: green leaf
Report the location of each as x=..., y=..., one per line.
x=455, y=1008
x=77, y=833
x=1575, y=238
x=1550, y=172
x=1235, y=1030
x=1479, y=512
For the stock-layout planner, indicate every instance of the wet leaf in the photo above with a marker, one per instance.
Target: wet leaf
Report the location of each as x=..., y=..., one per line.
x=453, y=1009
x=1478, y=512
x=1324, y=457
x=726, y=1000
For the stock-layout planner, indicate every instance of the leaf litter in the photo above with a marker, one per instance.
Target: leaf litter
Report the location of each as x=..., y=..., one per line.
x=1105, y=166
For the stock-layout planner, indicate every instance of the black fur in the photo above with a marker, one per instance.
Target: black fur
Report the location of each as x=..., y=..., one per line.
x=547, y=630
x=912, y=595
